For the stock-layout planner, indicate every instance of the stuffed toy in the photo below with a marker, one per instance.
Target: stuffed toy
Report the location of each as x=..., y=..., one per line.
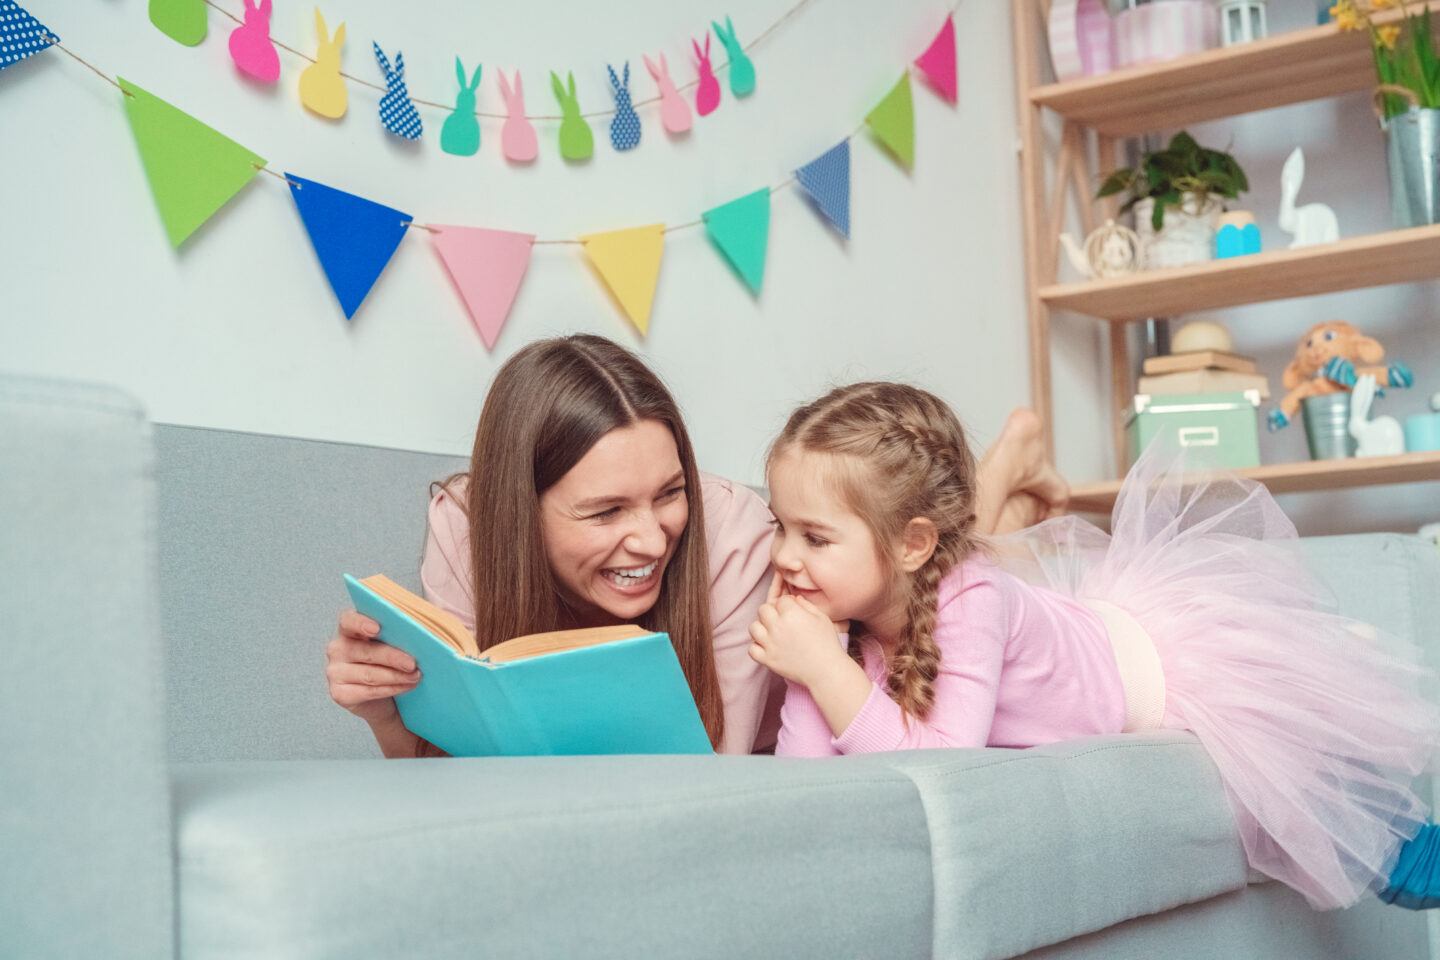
x=1329, y=359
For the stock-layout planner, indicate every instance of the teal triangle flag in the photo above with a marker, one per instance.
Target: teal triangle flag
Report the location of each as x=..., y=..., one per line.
x=354, y=238
x=741, y=229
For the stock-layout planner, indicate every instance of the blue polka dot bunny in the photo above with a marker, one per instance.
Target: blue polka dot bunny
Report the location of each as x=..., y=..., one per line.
x=625, y=128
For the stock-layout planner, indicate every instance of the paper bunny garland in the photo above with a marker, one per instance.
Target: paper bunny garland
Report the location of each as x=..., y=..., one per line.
x=461, y=133
x=674, y=111
x=707, y=94
x=742, y=71
x=576, y=140
x=625, y=127
x=322, y=89
x=250, y=45
x=396, y=111
x=517, y=137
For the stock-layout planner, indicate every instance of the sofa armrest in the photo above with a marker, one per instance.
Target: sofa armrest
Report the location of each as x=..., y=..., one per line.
x=85, y=821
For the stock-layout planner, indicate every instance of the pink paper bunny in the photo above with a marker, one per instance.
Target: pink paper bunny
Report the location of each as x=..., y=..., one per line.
x=707, y=96
x=250, y=45
x=674, y=111
x=517, y=137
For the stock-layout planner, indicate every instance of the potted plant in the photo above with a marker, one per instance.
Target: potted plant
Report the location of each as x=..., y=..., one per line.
x=1177, y=194
x=1407, y=100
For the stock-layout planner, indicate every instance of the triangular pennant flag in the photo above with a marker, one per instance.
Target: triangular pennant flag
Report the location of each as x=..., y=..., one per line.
x=827, y=180
x=21, y=35
x=629, y=262
x=741, y=229
x=193, y=170
x=353, y=237
x=893, y=121
x=487, y=267
x=938, y=61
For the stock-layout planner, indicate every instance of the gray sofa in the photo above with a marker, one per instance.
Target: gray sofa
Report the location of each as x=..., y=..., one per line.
x=176, y=782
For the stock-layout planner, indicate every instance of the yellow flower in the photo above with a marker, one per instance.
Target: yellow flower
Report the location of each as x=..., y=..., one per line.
x=1345, y=15
x=1388, y=36
x=1381, y=5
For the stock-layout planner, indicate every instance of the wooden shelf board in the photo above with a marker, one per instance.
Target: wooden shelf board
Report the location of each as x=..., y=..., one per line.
x=1295, y=477
x=1397, y=256
x=1287, y=68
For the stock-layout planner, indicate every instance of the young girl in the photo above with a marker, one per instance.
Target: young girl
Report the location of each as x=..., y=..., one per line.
x=1191, y=616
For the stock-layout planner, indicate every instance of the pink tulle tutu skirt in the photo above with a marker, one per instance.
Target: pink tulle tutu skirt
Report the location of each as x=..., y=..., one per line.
x=1318, y=724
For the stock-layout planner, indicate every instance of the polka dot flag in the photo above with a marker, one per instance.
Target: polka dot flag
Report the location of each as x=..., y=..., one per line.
x=827, y=180
x=21, y=35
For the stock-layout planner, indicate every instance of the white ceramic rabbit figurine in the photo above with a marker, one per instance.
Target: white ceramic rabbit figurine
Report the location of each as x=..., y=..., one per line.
x=1311, y=224
x=1381, y=437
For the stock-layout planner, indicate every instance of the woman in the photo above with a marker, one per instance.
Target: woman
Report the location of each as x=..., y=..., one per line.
x=589, y=509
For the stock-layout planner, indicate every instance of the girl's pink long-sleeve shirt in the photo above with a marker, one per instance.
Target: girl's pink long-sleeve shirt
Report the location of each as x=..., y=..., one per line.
x=737, y=536
x=1019, y=666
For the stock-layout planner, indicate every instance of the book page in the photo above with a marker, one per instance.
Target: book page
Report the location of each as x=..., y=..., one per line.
x=441, y=623
x=536, y=644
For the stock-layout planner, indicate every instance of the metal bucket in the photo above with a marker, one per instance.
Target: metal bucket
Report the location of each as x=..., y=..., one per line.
x=1412, y=149
x=1327, y=426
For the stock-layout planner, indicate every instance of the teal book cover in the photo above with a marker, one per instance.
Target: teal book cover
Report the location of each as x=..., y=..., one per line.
x=622, y=696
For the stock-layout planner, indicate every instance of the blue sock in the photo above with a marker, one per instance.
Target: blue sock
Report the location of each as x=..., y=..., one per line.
x=1415, y=883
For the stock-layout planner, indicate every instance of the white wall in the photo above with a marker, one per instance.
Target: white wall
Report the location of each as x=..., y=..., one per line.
x=240, y=330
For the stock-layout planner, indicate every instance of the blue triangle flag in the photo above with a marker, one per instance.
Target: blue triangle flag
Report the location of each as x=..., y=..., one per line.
x=353, y=237
x=21, y=35
x=827, y=180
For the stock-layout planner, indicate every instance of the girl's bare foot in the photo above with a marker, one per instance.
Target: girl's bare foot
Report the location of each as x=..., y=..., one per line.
x=1017, y=463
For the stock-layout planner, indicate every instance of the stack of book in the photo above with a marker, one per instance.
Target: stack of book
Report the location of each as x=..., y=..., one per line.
x=1202, y=371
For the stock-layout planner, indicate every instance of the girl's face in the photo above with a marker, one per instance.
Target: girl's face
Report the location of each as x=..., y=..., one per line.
x=822, y=549
x=611, y=524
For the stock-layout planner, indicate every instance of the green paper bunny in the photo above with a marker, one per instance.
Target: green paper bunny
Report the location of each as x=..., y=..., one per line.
x=742, y=71
x=461, y=133
x=576, y=140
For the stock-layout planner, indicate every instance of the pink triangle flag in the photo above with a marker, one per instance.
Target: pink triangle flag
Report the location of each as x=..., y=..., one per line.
x=938, y=61
x=487, y=267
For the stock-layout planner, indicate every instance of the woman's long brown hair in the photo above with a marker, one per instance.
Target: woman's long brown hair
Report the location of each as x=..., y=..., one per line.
x=548, y=405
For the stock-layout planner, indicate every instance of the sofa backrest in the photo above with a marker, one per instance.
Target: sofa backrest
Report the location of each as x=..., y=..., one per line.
x=254, y=534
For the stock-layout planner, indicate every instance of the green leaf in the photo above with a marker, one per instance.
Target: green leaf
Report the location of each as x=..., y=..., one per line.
x=1117, y=181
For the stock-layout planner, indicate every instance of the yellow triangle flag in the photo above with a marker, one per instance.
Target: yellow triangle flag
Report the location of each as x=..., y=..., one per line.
x=629, y=263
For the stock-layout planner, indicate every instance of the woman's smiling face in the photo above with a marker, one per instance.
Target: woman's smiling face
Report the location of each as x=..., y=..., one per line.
x=611, y=524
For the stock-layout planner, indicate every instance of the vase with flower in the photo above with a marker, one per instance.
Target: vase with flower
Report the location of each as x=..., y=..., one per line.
x=1407, y=100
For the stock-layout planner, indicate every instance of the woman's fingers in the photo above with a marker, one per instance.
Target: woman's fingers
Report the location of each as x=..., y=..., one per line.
x=357, y=625
x=370, y=675
x=353, y=695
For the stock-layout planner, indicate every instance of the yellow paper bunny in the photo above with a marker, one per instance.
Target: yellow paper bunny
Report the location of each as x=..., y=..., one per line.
x=321, y=87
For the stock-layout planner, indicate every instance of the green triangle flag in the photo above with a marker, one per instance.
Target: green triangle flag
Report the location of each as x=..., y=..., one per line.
x=741, y=229
x=893, y=121
x=193, y=170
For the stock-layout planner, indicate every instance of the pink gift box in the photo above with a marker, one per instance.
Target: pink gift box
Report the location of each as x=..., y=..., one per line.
x=1164, y=30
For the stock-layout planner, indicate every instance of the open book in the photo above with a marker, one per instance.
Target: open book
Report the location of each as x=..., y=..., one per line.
x=601, y=690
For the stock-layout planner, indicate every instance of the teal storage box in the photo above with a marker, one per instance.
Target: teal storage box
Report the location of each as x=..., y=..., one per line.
x=1216, y=429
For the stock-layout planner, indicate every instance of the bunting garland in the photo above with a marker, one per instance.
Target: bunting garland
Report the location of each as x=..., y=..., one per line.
x=194, y=170
x=354, y=238
x=893, y=121
x=21, y=35
x=826, y=180
x=741, y=229
x=629, y=263
x=487, y=267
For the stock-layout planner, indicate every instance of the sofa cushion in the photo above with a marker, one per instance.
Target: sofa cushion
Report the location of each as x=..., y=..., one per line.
x=551, y=857
x=85, y=855
x=1032, y=847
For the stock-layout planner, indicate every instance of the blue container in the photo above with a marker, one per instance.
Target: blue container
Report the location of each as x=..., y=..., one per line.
x=1422, y=432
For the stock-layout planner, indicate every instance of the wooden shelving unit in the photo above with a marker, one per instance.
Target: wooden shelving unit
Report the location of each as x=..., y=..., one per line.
x=1096, y=114
x=1226, y=82
x=1400, y=256
x=1296, y=477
